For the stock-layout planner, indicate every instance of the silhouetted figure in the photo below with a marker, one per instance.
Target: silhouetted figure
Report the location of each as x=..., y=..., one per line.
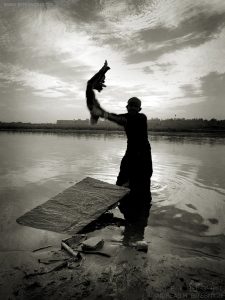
x=136, y=165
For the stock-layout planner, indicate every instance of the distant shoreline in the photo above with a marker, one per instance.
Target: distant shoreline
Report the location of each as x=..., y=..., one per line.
x=211, y=133
x=155, y=126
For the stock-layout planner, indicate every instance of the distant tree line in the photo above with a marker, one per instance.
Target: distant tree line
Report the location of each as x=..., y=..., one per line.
x=171, y=125
x=186, y=125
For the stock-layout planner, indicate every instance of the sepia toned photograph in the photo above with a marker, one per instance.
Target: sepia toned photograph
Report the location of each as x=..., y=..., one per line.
x=112, y=149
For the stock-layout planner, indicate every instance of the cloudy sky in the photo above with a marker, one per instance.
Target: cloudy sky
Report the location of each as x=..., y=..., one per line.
x=169, y=53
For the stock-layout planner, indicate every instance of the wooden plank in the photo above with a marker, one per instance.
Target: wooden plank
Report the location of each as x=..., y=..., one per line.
x=75, y=207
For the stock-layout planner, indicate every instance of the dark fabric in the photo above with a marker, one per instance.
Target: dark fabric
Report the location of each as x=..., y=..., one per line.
x=137, y=132
x=136, y=165
x=136, y=169
x=135, y=125
x=135, y=206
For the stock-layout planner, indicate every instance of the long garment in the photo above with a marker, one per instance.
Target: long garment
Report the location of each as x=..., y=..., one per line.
x=136, y=165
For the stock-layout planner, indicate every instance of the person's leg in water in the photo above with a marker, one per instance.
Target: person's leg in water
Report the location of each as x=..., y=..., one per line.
x=136, y=205
x=135, y=171
x=137, y=220
x=123, y=176
x=123, y=180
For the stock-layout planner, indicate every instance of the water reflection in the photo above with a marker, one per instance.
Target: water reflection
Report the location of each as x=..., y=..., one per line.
x=133, y=218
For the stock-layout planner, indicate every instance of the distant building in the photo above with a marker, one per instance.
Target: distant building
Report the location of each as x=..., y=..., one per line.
x=66, y=122
x=71, y=122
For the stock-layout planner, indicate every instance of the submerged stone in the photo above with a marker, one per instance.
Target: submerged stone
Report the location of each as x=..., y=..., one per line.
x=93, y=243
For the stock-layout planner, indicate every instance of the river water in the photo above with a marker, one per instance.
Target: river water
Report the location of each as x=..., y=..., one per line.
x=188, y=184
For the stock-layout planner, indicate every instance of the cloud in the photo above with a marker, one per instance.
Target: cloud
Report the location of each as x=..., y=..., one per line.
x=160, y=51
x=190, y=91
x=41, y=84
x=211, y=94
x=148, y=70
x=82, y=11
x=49, y=93
x=162, y=67
x=149, y=29
x=189, y=33
x=213, y=87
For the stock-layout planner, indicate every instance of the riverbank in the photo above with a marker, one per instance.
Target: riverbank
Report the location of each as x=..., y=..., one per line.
x=157, y=125
x=166, y=271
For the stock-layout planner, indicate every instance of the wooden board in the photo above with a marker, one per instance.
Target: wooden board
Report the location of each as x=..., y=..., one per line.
x=75, y=207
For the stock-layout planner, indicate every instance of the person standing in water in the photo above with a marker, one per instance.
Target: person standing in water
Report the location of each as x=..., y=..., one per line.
x=136, y=165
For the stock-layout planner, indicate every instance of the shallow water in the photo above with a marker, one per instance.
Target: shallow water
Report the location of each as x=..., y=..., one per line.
x=188, y=185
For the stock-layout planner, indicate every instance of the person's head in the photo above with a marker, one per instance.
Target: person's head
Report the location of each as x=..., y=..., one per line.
x=133, y=105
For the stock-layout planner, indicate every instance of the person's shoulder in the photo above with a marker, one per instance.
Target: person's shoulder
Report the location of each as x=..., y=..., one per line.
x=142, y=116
